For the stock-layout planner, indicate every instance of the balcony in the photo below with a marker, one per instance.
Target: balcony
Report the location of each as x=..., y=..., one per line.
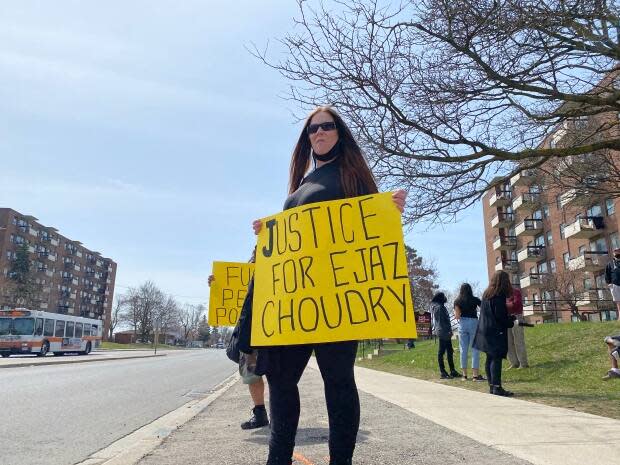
x=538, y=308
x=502, y=220
x=568, y=197
x=505, y=243
x=533, y=281
x=510, y=266
x=532, y=254
x=589, y=261
x=526, y=203
x=524, y=178
x=589, y=298
x=585, y=228
x=500, y=199
x=529, y=227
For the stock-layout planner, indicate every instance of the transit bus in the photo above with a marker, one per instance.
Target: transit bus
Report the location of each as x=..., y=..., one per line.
x=24, y=331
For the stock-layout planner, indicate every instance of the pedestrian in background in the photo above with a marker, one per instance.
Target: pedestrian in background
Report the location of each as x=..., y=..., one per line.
x=442, y=327
x=612, y=278
x=613, y=347
x=466, y=313
x=517, y=350
x=492, y=333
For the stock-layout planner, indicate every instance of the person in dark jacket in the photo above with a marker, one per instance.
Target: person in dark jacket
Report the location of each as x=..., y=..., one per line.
x=340, y=172
x=612, y=277
x=492, y=333
x=443, y=330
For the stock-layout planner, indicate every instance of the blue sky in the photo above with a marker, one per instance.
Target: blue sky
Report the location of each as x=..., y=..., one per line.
x=146, y=130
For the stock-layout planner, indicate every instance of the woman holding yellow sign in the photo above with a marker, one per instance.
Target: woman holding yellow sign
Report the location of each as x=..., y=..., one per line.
x=340, y=171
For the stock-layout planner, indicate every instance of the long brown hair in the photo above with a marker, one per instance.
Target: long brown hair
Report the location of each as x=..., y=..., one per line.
x=499, y=285
x=354, y=171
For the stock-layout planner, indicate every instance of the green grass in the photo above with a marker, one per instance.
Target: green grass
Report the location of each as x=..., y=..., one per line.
x=114, y=345
x=567, y=361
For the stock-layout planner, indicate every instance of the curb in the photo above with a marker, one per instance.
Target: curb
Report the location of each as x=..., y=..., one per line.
x=65, y=362
x=130, y=449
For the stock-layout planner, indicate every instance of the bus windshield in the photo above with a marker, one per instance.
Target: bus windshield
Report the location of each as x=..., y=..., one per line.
x=5, y=326
x=23, y=327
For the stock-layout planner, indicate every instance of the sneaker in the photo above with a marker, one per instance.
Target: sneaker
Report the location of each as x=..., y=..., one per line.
x=611, y=374
x=455, y=374
x=479, y=378
x=257, y=420
x=510, y=367
x=445, y=376
x=500, y=391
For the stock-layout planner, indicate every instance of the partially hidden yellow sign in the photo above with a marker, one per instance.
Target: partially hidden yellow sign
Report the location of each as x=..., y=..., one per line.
x=227, y=291
x=332, y=271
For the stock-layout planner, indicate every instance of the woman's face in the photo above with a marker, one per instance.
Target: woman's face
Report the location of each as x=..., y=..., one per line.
x=322, y=141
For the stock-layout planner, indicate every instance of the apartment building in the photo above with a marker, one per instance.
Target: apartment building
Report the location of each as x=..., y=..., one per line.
x=554, y=246
x=71, y=278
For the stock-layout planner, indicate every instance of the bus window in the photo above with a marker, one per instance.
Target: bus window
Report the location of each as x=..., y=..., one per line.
x=60, y=328
x=48, y=328
x=78, y=330
x=86, y=329
x=69, y=329
x=5, y=326
x=23, y=327
x=94, y=330
x=39, y=329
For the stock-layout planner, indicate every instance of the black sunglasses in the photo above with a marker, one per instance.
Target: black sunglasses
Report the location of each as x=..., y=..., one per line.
x=329, y=126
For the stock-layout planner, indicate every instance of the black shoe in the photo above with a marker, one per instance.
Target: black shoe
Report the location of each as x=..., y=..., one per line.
x=257, y=420
x=445, y=376
x=455, y=374
x=500, y=391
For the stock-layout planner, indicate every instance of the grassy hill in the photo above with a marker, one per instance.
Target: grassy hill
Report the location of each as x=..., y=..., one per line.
x=567, y=361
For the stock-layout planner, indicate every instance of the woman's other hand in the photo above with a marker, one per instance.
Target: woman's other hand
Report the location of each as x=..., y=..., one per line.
x=399, y=197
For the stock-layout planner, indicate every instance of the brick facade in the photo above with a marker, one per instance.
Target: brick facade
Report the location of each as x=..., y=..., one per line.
x=72, y=278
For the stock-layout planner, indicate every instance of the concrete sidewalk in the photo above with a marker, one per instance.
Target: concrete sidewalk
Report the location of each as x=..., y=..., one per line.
x=17, y=361
x=389, y=433
x=404, y=421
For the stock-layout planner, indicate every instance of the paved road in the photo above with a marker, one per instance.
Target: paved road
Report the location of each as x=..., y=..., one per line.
x=61, y=414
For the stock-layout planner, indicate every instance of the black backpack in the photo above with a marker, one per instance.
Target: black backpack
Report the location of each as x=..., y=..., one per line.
x=240, y=338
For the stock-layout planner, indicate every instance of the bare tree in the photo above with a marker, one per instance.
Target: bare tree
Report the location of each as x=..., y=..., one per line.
x=567, y=287
x=190, y=320
x=117, y=315
x=141, y=304
x=451, y=97
x=423, y=277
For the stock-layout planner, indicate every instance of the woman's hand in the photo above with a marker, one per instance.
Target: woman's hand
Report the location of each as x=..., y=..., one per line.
x=211, y=279
x=257, y=225
x=399, y=197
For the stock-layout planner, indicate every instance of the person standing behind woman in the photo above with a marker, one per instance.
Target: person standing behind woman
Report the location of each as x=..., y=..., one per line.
x=466, y=312
x=443, y=330
x=341, y=171
x=491, y=335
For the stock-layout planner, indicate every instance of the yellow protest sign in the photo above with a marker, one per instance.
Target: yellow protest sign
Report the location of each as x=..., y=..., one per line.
x=227, y=291
x=332, y=271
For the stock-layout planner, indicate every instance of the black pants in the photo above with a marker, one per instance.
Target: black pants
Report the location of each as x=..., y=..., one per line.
x=445, y=347
x=493, y=368
x=336, y=362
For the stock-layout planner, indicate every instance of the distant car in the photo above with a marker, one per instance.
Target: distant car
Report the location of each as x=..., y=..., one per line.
x=219, y=345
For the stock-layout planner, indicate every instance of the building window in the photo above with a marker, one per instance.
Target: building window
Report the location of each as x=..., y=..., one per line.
x=595, y=210
x=610, y=207
x=581, y=250
x=562, y=226
x=566, y=258
x=552, y=266
x=599, y=245
x=546, y=211
x=614, y=240
x=549, y=238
